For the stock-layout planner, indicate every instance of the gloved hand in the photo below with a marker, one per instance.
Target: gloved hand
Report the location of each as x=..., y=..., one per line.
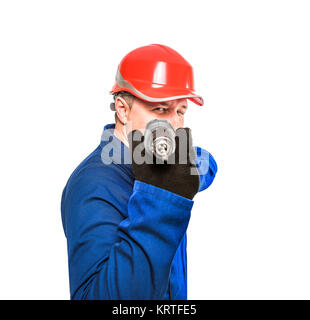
x=182, y=179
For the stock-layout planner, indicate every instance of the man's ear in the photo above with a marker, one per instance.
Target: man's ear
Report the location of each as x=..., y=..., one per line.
x=122, y=110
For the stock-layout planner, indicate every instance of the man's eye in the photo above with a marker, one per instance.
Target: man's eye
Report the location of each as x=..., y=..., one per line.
x=160, y=109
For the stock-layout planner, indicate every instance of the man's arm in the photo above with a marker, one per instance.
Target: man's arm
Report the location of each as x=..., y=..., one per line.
x=115, y=258
x=207, y=167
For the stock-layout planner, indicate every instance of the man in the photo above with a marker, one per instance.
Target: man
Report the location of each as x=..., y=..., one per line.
x=125, y=222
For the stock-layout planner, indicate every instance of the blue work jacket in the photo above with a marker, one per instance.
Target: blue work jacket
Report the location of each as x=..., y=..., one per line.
x=126, y=239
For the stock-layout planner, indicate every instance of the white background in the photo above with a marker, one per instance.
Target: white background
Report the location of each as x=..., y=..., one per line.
x=248, y=236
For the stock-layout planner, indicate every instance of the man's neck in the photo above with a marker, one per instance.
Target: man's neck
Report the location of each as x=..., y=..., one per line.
x=120, y=133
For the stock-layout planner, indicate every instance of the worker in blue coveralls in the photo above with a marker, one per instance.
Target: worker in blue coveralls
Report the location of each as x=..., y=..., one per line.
x=125, y=221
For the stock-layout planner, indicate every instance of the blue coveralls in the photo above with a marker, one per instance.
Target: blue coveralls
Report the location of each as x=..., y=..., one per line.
x=126, y=239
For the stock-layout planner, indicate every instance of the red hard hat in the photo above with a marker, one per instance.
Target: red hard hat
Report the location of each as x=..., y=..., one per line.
x=156, y=73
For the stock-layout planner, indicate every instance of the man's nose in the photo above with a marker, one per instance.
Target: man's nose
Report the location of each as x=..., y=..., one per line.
x=175, y=121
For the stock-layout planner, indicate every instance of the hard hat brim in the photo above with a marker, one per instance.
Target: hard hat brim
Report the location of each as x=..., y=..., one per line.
x=159, y=93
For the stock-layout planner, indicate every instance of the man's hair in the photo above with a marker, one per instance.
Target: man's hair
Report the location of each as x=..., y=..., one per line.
x=127, y=96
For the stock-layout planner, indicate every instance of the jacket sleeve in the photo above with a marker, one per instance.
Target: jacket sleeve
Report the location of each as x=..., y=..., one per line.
x=207, y=167
x=115, y=258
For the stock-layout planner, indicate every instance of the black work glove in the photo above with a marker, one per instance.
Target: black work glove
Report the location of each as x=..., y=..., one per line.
x=182, y=179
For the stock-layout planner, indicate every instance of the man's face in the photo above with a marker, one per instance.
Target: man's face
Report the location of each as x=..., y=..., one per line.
x=143, y=112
